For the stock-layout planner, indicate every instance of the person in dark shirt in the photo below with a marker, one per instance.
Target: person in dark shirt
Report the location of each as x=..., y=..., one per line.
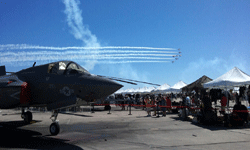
x=242, y=113
x=213, y=94
x=163, y=106
x=223, y=102
x=242, y=90
x=207, y=102
x=169, y=104
x=183, y=100
x=237, y=99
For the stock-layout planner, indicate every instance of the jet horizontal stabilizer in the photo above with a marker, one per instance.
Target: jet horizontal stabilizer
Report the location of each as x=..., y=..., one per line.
x=124, y=80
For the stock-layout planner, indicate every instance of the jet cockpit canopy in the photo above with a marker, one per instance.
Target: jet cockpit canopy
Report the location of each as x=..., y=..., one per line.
x=67, y=68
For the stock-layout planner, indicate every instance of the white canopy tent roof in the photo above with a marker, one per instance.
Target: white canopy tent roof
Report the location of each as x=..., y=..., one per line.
x=161, y=88
x=119, y=91
x=232, y=78
x=176, y=88
x=149, y=89
x=137, y=90
x=133, y=91
x=129, y=91
x=141, y=90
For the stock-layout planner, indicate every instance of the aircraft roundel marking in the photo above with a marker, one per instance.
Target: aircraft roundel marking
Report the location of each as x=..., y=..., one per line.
x=66, y=91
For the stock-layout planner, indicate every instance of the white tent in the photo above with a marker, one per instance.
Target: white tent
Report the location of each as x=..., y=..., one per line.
x=137, y=90
x=176, y=88
x=161, y=88
x=119, y=91
x=232, y=78
x=141, y=90
x=149, y=89
x=129, y=91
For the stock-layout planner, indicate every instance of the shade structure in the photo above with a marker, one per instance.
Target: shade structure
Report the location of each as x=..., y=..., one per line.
x=119, y=91
x=138, y=90
x=232, y=78
x=129, y=91
x=196, y=85
x=161, y=88
x=176, y=88
x=149, y=89
x=142, y=90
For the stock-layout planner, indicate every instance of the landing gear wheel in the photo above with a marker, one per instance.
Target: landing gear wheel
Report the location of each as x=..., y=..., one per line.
x=27, y=117
x=54, y=128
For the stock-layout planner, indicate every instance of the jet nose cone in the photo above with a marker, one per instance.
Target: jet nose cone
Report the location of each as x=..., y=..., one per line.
x=112, y=86
x=106, y=87
x=97, y=87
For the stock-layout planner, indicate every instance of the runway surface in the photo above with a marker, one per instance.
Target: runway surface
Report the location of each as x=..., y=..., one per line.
x=118, y=130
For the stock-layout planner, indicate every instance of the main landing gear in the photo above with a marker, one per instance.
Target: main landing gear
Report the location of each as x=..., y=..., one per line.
x=27, y=116
x=54, y=127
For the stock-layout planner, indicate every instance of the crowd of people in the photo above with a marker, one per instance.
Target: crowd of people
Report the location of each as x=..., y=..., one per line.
x=202, y=100
x=149, y=102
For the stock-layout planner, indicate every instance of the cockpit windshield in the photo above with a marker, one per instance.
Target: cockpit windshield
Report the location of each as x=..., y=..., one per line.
x=64, y=66
x=78, y=68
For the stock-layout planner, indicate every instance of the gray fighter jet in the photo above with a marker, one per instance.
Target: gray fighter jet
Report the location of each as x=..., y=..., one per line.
x=54, y=85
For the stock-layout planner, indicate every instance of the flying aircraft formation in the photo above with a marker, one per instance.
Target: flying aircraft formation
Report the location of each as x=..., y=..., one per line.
x=54, y=85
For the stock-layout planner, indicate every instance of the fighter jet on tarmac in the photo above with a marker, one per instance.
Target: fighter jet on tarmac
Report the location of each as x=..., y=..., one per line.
x=54, y=85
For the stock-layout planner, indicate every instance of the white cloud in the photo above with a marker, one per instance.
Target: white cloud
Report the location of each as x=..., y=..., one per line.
x=127, y=71
x=214, y=67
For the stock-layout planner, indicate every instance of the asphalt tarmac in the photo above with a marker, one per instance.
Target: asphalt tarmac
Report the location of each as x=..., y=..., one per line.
x=118, y=130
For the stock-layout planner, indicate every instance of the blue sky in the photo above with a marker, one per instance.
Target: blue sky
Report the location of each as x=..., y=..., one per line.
x=213, y=35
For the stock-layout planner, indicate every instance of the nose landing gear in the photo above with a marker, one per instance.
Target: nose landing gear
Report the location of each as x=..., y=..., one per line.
x=27, y=116
x=54, y=127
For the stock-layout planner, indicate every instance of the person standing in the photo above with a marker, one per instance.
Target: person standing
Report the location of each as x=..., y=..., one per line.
x=169, y=104
x=237, y=99
x=163, y=106
x=188, y=101
x=223, y=103
x=153, y=102
x=143, y=103
x=158, y=102
x=148, y=105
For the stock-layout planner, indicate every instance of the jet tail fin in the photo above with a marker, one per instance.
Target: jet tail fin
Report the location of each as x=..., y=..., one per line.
x=2, y=71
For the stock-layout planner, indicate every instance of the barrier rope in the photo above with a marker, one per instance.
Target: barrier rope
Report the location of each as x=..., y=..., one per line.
x=161, y=106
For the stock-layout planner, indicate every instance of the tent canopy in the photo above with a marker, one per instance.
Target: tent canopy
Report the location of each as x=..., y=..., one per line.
x=234, y=77
x=198, y=84
x=161, y=88
x=149, y=89
x=176, y=88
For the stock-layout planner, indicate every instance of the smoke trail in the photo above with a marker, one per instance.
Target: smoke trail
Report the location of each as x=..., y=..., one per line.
x=24, y=46
x=75, y=57
x=132, y=61
x=75, y=22
x=78, y=29
x=30, y=63
x=81, y=52
x=108, y=53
